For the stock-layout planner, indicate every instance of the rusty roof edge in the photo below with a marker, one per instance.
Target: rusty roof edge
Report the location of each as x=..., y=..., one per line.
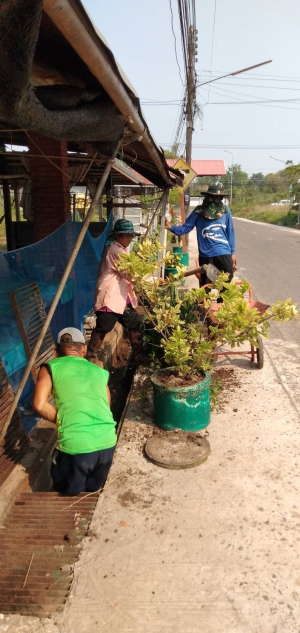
x=69, y=17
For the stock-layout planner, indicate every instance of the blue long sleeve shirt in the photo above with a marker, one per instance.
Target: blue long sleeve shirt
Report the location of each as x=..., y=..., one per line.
x=215, y=237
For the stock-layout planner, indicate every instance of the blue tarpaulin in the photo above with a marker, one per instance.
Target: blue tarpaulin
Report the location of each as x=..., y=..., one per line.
x=45, y=262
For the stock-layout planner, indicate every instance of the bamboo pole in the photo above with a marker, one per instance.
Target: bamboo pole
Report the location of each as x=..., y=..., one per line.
x=59, y=291
x=162, y=202
x=163, y=231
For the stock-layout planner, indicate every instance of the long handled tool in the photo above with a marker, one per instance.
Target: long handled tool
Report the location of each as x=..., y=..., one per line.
x=211, y=272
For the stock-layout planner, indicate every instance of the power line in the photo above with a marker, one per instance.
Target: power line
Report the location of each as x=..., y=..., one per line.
x=184, y=34
x=212, y=45
x=229, y=83
x=261, y=100
x=178, y=116
x=264, y=103
x=175, y=45
x=256, y=75
x=244, y=146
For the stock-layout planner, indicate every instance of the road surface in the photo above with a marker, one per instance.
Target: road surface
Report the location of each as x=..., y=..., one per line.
x=269, y=258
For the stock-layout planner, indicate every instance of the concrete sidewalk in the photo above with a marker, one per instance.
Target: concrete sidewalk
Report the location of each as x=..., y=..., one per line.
x=212, y=549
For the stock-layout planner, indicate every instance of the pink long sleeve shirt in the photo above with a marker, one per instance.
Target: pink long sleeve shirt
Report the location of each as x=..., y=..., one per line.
x=112, y=288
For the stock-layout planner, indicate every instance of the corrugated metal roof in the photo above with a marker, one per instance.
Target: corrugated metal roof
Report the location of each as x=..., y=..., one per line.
x=70, y=87
x=130, y=173
x=204, y=167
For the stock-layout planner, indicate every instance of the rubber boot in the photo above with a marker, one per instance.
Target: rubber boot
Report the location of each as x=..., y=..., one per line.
x=94, y=346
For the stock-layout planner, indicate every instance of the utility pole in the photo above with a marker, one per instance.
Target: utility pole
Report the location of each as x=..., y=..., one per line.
x=191, y=102
x=191, y=92
x=231, y=174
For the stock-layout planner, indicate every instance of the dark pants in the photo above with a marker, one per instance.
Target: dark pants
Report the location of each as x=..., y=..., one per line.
x=107, y=320
x=87, y=472
x=222, y=262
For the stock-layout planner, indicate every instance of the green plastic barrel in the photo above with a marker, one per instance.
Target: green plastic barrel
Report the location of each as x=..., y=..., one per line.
x=185, y=408
x=173, y=271
x=184, y=259
x=170, y=271
x=177, y=249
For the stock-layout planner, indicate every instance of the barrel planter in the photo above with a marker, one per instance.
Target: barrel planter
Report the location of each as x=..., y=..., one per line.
x=184, y=259
x=172, y=271
x=186, y=408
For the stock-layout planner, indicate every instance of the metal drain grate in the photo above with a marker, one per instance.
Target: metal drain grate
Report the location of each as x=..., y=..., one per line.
x=40, y=537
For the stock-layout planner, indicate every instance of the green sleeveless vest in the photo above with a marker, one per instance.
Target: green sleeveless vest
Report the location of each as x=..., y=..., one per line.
x=84, y=420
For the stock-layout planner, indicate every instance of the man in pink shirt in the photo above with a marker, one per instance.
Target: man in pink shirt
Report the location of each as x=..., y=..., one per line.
x=115, y=299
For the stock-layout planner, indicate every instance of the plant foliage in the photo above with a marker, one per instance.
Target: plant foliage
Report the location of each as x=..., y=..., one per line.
x=184, y=329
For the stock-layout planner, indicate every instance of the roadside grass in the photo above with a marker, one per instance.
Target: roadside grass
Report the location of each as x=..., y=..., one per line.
x=268, y=214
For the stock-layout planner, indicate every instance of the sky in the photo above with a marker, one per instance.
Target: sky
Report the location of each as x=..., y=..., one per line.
x=232, y=34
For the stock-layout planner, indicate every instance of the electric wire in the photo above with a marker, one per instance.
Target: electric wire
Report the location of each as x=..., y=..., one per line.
x=261, y=99
x=260, y=77
x=264, y=103
x=260, y=87
x=212, y=46
x=175, y=43
x=242, y=146
x=187, y=22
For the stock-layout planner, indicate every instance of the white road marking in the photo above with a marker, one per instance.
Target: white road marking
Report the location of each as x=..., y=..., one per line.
x=254, y=233
x=270, y=239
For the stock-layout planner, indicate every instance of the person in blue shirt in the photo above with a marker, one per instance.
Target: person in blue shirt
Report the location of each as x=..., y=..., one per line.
x=215, y=232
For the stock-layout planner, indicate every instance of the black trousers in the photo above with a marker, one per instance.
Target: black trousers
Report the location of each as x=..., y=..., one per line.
x=87, y=472
x=107, y=320
x=222, y=262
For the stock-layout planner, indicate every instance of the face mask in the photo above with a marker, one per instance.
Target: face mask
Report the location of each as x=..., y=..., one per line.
x=212, y=208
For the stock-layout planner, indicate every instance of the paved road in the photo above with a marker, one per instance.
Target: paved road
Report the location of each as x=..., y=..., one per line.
x=269, y=258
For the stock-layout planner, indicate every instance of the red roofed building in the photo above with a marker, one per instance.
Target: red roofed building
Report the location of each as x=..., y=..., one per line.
x=204, y=167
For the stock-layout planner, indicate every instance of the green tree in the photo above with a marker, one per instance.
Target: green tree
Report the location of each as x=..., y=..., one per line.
x=276, y=183
x=292, y=174
x=170, y=154
x=174, y=197
x=258, y=179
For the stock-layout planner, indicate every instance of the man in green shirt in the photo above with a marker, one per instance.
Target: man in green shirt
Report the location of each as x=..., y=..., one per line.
x=86, y=434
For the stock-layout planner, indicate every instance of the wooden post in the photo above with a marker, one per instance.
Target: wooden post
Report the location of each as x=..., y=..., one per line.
x=163, y=231
x=182, y=215
x=10, y=240
x=17, y=201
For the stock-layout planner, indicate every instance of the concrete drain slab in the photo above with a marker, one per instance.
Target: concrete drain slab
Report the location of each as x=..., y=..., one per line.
x=173, y=450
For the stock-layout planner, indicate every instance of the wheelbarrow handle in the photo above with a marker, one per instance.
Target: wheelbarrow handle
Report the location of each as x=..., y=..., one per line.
x=188, y=273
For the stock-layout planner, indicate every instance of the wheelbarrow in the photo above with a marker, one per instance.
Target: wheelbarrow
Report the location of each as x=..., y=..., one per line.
x=256, y=352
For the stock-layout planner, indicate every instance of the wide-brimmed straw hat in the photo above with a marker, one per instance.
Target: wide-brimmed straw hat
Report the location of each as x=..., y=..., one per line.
x=215, y=189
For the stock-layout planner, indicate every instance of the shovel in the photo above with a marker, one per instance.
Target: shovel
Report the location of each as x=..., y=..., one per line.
x=211, y=272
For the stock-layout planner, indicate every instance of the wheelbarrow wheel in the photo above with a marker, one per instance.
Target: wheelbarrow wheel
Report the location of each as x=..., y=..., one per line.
x=260, y=352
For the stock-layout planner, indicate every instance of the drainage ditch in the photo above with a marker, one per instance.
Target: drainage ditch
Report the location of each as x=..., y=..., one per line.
x=42, y=532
